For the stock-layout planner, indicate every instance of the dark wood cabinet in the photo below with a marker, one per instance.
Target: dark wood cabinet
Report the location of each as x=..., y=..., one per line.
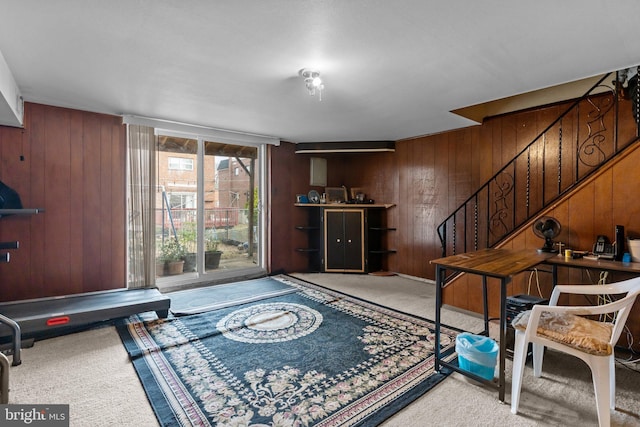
x=345, y=238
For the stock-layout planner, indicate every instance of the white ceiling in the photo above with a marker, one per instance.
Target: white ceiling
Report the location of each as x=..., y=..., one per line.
x=393, y=69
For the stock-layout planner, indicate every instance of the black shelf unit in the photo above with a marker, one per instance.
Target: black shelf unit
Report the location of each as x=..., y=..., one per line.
x=377, y=231
x=313, y=248
x=346, y=238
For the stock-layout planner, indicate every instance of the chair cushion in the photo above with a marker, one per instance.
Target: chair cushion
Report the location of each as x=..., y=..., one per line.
x=583, y=334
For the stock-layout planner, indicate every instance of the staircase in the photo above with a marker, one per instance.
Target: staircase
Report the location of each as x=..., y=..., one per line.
x=568, y=151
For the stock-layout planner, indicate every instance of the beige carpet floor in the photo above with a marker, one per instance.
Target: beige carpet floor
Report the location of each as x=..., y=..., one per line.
x=90, y=371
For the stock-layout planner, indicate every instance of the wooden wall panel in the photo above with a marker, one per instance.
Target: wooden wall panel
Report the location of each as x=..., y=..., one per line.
x=404, y=226
x=76, y=187
x=577, y=225
x=417, y=190
x=625, y=210
x=73, y=168
x=289, y=176
x=57, y=179
x=34, y=138
x=91, y=205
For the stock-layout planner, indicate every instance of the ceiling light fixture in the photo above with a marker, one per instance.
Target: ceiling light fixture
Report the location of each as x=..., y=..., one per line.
x=312, y=81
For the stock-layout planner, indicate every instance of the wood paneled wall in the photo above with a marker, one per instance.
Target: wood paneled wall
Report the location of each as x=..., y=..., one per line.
x=71, y=164
x=289, y=176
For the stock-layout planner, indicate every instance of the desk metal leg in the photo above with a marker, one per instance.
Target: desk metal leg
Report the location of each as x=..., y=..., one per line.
x=439, y=282
x=485, y=305
x=503, y=335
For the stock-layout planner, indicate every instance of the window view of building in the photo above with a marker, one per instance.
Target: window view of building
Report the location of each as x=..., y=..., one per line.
x=180, y=163
x=226, y=236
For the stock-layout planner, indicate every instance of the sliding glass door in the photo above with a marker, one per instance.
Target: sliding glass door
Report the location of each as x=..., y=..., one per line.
x=208, y=217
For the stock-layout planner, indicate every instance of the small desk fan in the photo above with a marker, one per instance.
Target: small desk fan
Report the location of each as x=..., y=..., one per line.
x=547, y=228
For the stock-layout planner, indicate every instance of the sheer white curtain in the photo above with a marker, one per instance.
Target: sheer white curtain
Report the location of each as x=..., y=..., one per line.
x=141, y=146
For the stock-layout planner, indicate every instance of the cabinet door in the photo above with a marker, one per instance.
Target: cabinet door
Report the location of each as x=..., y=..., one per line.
x=344, y=240
x=353, y=241
x=334, y=240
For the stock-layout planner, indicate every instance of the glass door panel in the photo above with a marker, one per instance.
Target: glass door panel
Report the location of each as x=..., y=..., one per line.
x=206, y=210
x=176, y=206
x=230, y=204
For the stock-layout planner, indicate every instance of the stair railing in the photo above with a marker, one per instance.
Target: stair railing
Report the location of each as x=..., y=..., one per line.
x=569, y=150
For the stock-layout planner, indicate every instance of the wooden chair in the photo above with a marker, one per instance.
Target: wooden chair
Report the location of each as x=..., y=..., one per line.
x=564, y=328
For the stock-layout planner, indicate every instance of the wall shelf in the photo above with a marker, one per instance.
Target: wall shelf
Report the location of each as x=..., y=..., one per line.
x=4, y=212
x=312, y=251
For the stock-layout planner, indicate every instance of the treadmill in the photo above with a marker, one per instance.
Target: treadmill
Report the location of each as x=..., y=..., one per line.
x=50, y=316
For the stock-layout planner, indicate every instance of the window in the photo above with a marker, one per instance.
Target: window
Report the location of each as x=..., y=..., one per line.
x=194, y=191
x=182, y=200
x=180, y=164
x=203, y=203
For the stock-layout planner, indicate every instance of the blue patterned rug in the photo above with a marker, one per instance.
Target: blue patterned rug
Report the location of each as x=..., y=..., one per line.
x=314, y=357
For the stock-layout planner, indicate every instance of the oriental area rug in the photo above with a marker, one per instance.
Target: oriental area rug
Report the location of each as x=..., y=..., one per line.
x=313, y=357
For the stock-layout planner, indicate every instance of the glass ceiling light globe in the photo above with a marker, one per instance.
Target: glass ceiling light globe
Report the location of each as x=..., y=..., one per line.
x=312, y=81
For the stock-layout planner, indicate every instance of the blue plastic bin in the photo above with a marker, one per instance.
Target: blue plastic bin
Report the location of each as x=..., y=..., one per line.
x=477, y=354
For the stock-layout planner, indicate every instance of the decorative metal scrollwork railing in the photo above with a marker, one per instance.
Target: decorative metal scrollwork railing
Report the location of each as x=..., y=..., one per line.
x=570, y=149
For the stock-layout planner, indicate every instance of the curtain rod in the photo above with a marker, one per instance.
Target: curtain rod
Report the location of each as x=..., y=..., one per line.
x=219, y=135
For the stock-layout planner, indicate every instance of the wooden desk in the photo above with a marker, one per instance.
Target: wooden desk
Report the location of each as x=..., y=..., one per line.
x=591, y=264
x=501, y=264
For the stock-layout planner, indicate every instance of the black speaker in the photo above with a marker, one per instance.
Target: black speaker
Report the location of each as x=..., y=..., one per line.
x=619, y=242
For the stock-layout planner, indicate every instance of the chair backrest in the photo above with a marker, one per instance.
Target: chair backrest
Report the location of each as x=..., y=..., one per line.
x=632, y=287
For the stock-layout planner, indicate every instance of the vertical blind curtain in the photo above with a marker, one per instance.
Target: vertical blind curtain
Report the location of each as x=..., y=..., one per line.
x=141, y=206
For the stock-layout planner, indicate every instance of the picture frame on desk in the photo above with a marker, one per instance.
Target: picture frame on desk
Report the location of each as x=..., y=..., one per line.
x=336, y=194
x=357, y=194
